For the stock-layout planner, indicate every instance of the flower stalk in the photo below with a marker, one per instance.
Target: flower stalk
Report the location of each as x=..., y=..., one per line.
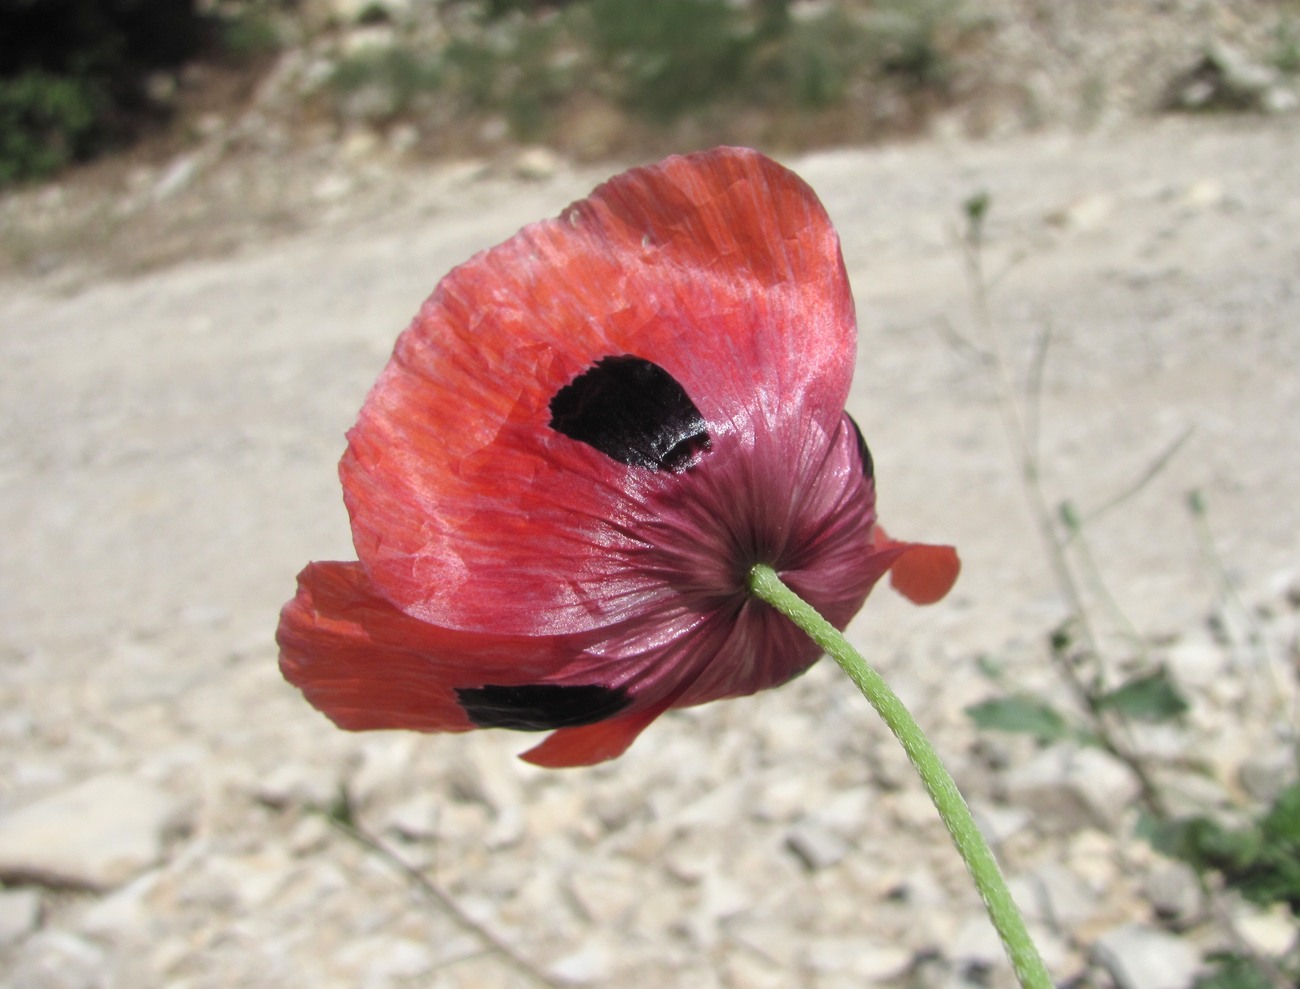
x=1030, y=970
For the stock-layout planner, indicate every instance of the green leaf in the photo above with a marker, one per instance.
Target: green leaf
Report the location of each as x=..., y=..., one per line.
x=977, y=206
x=1069, y=516
x=1062, y=637
x=1022, y=715
x=1152, y=697
x=1261, y=861
x=1233, y=972
x=1282, y=823
x=989, y=667
x=340, y=810
x=1201, y=842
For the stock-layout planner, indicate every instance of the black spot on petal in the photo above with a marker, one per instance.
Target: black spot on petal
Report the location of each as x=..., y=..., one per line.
x=632, y=410
x=868, y=465
x=540, y=706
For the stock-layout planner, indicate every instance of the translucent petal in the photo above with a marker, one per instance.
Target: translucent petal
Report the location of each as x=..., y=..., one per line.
x=468, y=510
x=367, y=665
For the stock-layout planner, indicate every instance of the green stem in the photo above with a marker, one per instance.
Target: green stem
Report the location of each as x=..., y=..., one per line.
x=766, y=585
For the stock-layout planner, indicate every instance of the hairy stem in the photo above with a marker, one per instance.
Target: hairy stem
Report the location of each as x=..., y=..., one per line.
x=766, y=585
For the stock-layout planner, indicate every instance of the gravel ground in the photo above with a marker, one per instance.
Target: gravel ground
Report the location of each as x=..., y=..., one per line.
x=167, y=462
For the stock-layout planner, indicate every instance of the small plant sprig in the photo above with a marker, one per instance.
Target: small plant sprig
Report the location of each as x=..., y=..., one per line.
x=1258, y=860
x=341, y=815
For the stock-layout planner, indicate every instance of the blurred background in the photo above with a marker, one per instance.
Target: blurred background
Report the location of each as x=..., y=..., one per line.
x=213, y=116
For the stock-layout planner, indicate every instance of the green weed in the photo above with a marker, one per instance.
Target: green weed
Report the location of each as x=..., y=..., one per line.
x=1258, y=856
x=386, y=83
x=914, y=40
x=1286, y=47
x=46, y=121
x=670, y=56
x=663, y=64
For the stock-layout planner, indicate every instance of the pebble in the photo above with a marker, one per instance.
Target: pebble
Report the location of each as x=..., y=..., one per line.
x=815, y=846
x=1092, y=856
x=607, y=894
x=309, y=835
x=691, y=856
x=1226, y=77
x=381, y=960
x=847, y=812
x=20, y=913
x=743, y=968
x=176, y=177
x=593, y=962
x=95, y=835
x=1280, y=99
x=1174, y=891
x=1161, y=742
x=718, y=804
x=334, y=188
x=1055, y=895
x=403, y=139
x=976, y=944
x=1270, y=932
x=1138, y=956
x=912, y=810
x=121, y=915
x=1069, y=789
x=1264, y=775
x=507, y=830
x=1196, y=661
x=59, y=960
x=416, y=818
x=998, y=823
x=1190, y=793
x=385, y=768
x=768, y=938
x=1084, y=214
x=783, y=799
x=293, y=783
x=722, y=897
x=361, y=143
x=250, y=881
x=536, y=164
x=858, y=957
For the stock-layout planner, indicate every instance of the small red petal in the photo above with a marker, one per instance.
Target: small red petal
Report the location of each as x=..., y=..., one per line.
x=923, y=573
x=589, y=744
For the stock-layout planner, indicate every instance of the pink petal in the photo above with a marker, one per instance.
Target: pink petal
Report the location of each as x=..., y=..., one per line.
x=468, y=510
x=367, y=665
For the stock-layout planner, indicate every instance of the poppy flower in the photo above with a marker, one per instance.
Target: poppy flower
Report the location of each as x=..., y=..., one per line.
x=580, y=446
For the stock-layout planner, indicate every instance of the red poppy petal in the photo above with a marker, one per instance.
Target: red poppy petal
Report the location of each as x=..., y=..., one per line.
x=367, y=665
x=587, y=745
x=722, y=268
x=735, y=271
x=922, y=573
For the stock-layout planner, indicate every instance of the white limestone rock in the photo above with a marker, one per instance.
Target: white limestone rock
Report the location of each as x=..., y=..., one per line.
x=20, y=914
x=817, y=847
x=95, y=835
x=1070, y=789
x=1138, y=956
